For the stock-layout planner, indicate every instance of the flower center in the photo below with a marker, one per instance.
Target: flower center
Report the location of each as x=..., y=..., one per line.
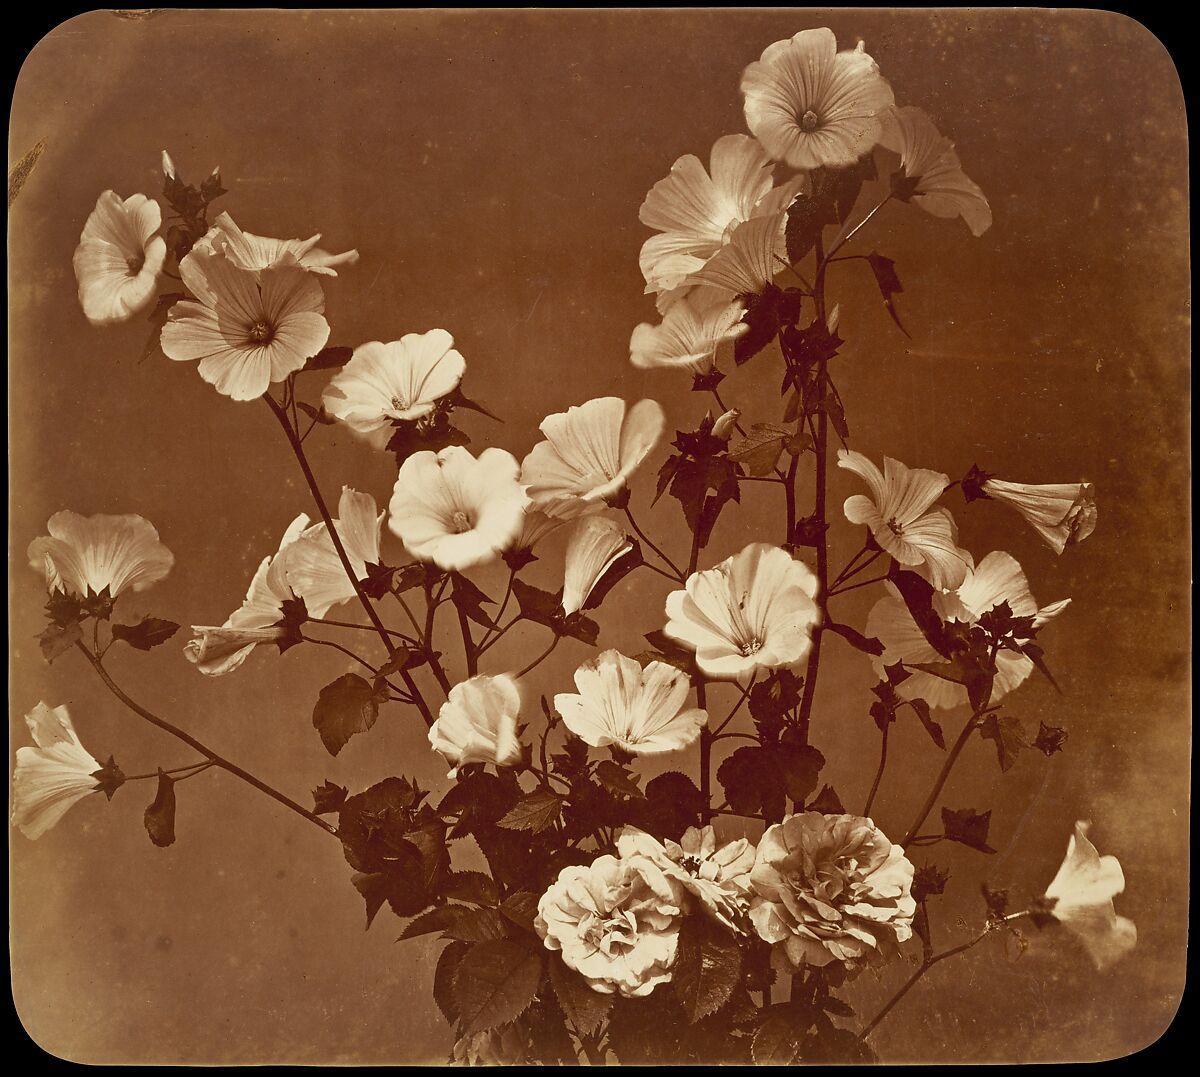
x=135, y=264
x=810, y=121
x=399, y=404
x=261, y=333
x=893, y=526
x=460, y=521
x=752, y=646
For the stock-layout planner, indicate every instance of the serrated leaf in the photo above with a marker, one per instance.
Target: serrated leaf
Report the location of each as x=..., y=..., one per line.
x=471, y=886
x=534, y=812
x=439, y=919
x=160, y=816
x=478, y=925
x=708, y=967
x=345, y=707
x=520, y=908
x=495, y=983
x=443, y=979
x=760, y=450
x=616, y=779
x=967, y=827
x=328, y=797
x=149, y=632
x=583, y=1007
x=1008, y=734
x=777, y=1041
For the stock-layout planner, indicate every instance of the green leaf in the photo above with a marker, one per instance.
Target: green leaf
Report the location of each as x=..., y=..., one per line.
x=147, y=633
x=58, y=639
x=160, y=816
x=495, y=983
x=439, y=919
x=1008, y=734
x=708, y=967
x=583, y=1007
x=345, y=707
x=616, y=779
x=777, y=1041
x=535, y=811
x=967, y=827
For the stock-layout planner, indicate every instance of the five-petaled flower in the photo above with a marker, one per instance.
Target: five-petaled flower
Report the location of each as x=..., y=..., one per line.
x=455, y=510
x=812, y=106
x=478, y=723
x=641, y=711
x=596, y=544
x=692, y=332
x=901, y=518
x=1062, y=513
x=830, y=888
x=50, y=778
x=119, y=257
x=314, y=569
x=248, y=251
x=755, y=610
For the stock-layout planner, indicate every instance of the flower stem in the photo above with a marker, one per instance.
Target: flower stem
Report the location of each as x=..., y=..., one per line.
x=649, y=542
x=854, y=231
x=361, y=628
x=940, y=781
x=542, y=657
x=879, y=772
x=469, y=651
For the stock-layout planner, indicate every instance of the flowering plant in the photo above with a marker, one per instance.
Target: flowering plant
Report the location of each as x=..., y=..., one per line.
x=587, y=909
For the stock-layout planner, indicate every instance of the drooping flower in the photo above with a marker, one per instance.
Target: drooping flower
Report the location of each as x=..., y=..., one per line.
x=248, y=251
x=248, y=328
x=755, y=610
x=92, y=553
x=1062, y=513
x=314, y=569
x=596, y=544
x=997, y=578
x=718, y=877
x=478, y=723
x=691, y=333
x=616, y=922
x=1081, y=899
x=400, y=380
x=641, y=711
x=590, y=452
x=455, y=510
x=830, y=888
x=756, y=251
x=812, y=106
x=119, y=257
x=53, y=776
x=936, y=181
x=901, y=518
x=219, y=650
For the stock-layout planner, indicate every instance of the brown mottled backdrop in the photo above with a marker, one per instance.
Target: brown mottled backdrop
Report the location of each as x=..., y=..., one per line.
x=489, y=167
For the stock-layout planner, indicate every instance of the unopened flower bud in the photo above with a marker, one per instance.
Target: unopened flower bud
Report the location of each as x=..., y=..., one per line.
x=168, y=166
x=724, y=426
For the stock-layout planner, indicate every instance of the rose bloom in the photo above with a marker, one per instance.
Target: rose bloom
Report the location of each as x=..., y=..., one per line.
x=248, y=251
x=902, y=520
x=830, y=888
x=691, y=333
x=399, y=381
x=616, y=922
x=638, y=710
x=478, y=723
x=997, y=578
x=812, y=106
x=596, y=544
x=247, y=328
x=718, y=877
x=119, y=257
x=590, y=452
x=315, y=571
x=85, y=554
x=1080, y=898
x=455, y=510
x=755, y=610
x=1062, y=513
x=52, y=777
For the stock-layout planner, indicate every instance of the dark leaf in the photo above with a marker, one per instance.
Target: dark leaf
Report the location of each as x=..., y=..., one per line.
x=432, y=433
x=995, y=900
x=918, y=597
x=896, y=673
x=374, y=827
x=109, y=778
x=765, y=313
x=520, y=908
x=706, y=383
x=670, y=651
x=777, y=1041
x=400, y=888
x=443, y=979
x=478, y=925
x=968, y=827
x=1049, y=739
x=1008, y=734
x=582, y=1006
x=345, y=707
x=1035, y=654
x=753, y=780
x=921, y=709
x=800, y=765
x=889, y=284
x=616, y=779
x=972, y=482
x=472, y=886
x=147, y=633
x=329, y=359
x=160, y=816
x=495, y=983
x=535, y=812
x=672, y=804
x=328, y=797
x=469, y=599
x=806, y=217
x=866, y=644
x=827, y=802
x=457, y=399
x=58, y=639
x=318, y=415
x=929, y=881
x=708, y=967
x=401, y=659
x=439, y=919
x=846, y=183
x=62, y=609
x=371, y=885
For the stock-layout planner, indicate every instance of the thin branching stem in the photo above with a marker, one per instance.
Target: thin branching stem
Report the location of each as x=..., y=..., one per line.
x=650, y=542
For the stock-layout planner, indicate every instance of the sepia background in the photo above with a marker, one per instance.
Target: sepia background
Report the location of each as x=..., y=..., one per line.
x=489, y=167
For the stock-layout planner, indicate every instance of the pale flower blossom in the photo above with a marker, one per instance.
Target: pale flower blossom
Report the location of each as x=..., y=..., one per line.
x=401, y=380
x=315, y=571
x=928, y=159
x=455, y=510
x=756, y=251
x=248, y=328
x=812, y=106
x=902, y=520
x=590, y=452
x=85, y=554
x=718, y=877
x=997, y=578
x=641, y=711
x=691, y=333
x=478, y=723
x=248, y=251
x=119, y=257
x=52, y=777
x=596, y=544
x=830, y=888
x=616, y=922
x=1062, y=513
x=1081, y=899
x=755, y=610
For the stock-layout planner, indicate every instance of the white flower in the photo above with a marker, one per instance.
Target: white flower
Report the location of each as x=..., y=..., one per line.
x=220, y=650
x=478, y=723
x=616, y=923
x=1082, y=894
x=718, y=877
x=756, y=251
x=119, y=257
x=91, y=553
x=247, y=328
x=929, y=161
x=454, y=510
x=51, y=777
x=1062, y=513
x=401, y=380
x=812, y=106
x=248, y=251
x=755, y=610
x=591, y=451
x=901, y=519
x=830, y=888
x=997, y=578
x=536, y=525
x=692, y=331
x=596, y=544
x=641, y=711
x=314, y=570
